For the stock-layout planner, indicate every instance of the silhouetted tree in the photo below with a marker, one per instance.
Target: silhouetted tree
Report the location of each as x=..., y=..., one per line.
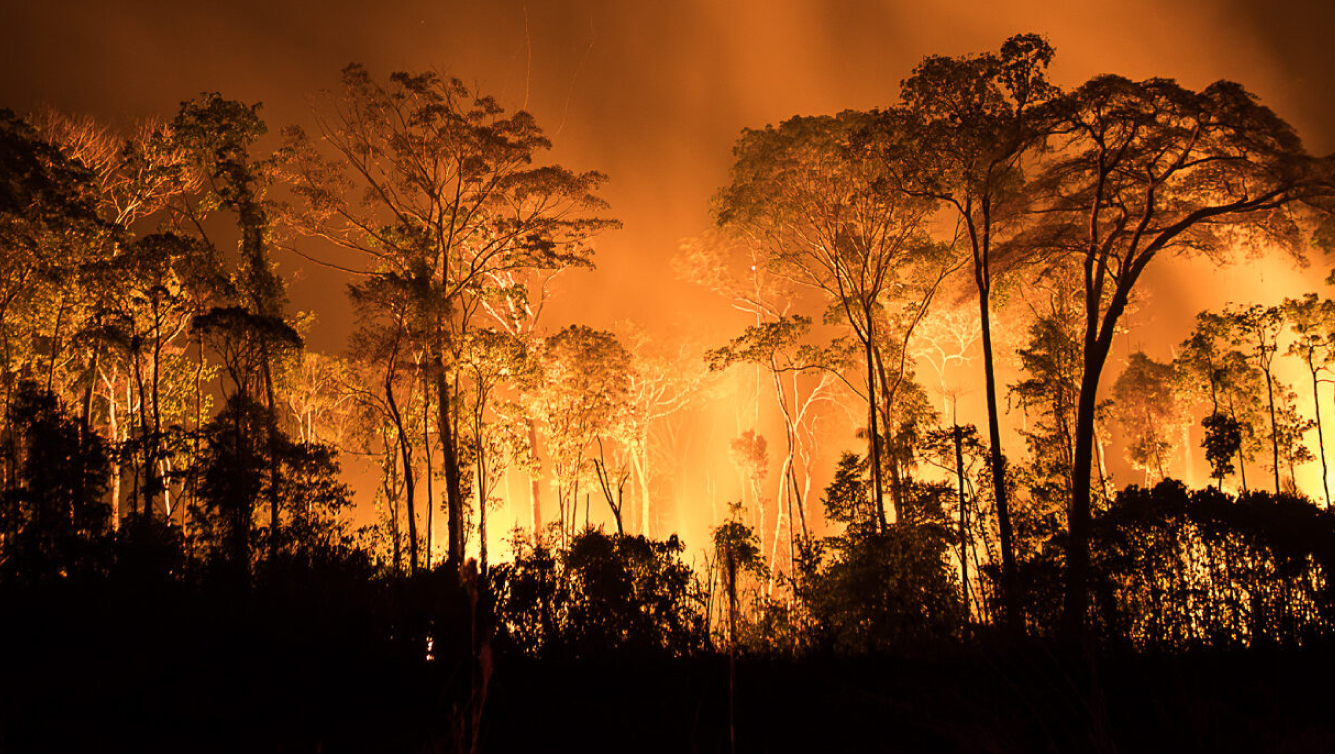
x=607, y=593
x=55, y=523
x=1208, y=363
x=1313, y=322
x=1145, y=168
x=961, y=137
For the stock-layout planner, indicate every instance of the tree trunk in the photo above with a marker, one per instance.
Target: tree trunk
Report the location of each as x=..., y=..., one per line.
x=113, y=432
x=426, y=451
x=1098, y=343
x=534, y=479
x=1320, y=439
x=964, y=524
x=875, y=439
x=405, y=450
x=640, y=464
x=1274, y=427
x=1078, y=515
x=450, y=458
x=272, y=436
x=1242, y=466
x=1010, y=597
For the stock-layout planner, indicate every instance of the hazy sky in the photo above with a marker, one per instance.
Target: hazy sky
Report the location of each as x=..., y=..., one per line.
x=652, y=93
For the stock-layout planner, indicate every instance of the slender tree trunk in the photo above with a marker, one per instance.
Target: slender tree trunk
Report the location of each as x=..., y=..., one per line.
x=1242, y=466
x=964, y=523
x=114, y=430
x=450, y=459
x=1013, y=618
x=1274, y=426
x=426, y=450
x=730, y=564
x=272, y=436
x=409, y=483
x=392, y=499
x=55, y=346
x=1320, y=439
x=778, y=530
x=158, y=461
x=147, y=454
x=875, y=439
x=482, y=516
x=534, y=479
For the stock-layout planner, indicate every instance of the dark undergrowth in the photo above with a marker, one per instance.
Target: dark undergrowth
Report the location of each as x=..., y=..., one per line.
x=186, y=675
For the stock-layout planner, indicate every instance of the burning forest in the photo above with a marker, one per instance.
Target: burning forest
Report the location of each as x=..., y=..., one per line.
x=991, y=412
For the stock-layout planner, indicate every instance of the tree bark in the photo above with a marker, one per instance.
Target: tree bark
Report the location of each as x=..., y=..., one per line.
x=875, y=439
x=450, y=458
x=1320, y=438
x=1013, y=617
x=405, y=450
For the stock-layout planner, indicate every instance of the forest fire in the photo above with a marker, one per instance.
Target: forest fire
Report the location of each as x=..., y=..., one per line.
x=516, y=376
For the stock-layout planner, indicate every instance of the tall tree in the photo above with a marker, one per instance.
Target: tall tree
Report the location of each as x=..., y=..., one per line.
x=1149, y=168
x=966, y=125
x=813, y=204
x=1313, y=322
x=777, y=347
x=220, y=135
x=436, y=186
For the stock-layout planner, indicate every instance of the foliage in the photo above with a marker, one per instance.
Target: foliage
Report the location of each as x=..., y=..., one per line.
x=1145, y=404
x=607, y=593
x=1179, y=569
x=51, y=510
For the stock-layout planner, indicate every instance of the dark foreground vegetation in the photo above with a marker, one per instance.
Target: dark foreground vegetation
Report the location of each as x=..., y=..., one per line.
x=1211, y=630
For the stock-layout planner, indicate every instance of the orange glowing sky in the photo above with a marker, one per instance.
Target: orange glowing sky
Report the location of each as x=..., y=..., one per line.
x=652, y=93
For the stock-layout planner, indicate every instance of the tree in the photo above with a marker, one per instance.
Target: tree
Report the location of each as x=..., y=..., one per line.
x=814, y=206
x=1313, y=322
x=385, y=307
x=871, y=590
x=584, y=381
x=1258, y=329
x=451, y=198
x=960, y=138
x=499, y=437
x=736, y=552
x=1147, y=408
x=150, y=280
x=49, y=223
x=147, y=298
x=52, y=516
x=236, y=473
x=666, y=380
x=1148, y=168
x=1208, y=364
x=776, y=346
x=219, y=135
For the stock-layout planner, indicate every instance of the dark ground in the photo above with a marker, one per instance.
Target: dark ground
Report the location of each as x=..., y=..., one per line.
x=177, y=673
